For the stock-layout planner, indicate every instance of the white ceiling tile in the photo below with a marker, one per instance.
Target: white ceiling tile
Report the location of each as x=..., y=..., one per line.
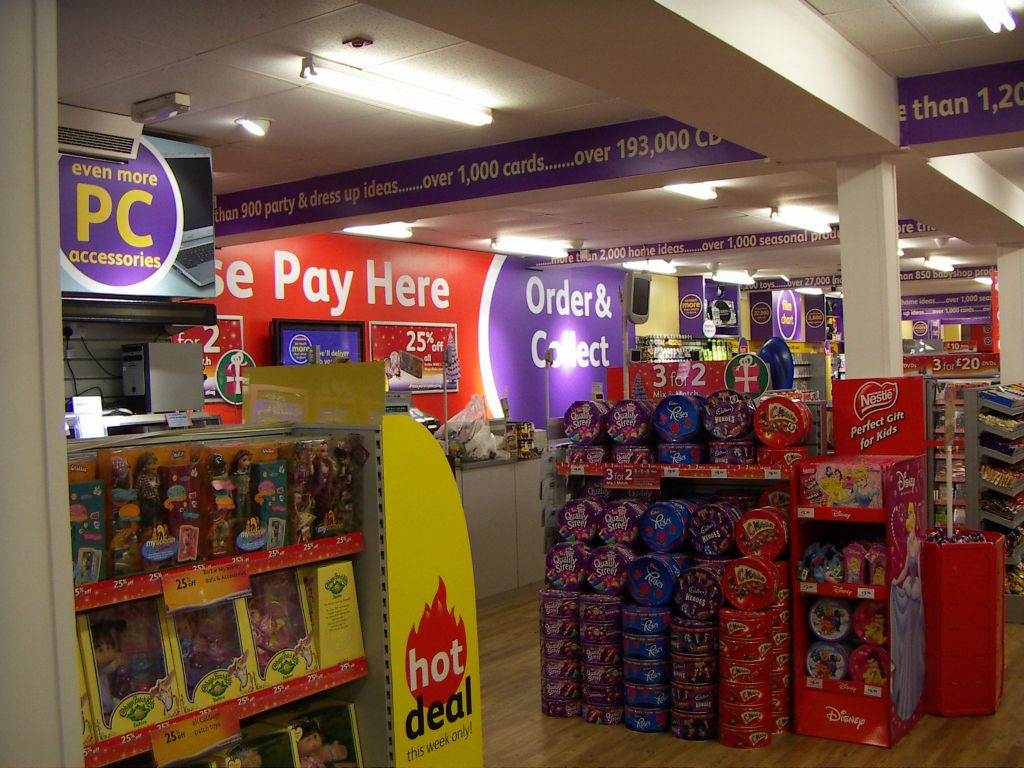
x=838, y=6
x=944, y=20
x=913, y=61
x=877, y=29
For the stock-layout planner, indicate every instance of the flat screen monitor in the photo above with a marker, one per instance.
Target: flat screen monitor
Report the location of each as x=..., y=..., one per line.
x=297, y=341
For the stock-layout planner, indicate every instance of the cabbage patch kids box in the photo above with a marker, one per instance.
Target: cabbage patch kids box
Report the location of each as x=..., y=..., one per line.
x=207, y=649
x=129, y=675
x=279, y=632
x=273, y=749
x=324, y=727
x=331, y=591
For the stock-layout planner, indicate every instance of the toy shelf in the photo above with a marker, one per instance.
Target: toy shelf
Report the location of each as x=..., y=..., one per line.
x=135, y=743
x=1006, y=522
x=694, y=471
x=841, y=514
x=844, y=687
x=114, y=591
x=849, y=591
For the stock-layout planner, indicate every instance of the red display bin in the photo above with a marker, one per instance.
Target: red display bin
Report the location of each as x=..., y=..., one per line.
x=964, y=613
x=859, y=711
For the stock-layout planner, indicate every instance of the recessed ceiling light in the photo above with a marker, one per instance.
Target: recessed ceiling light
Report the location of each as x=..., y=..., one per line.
x=996, y=14
x=701, y=191
x=939, y=264
x=257, y=126
x=983, y=280
x=657, y=266
x=394, y=94
x=525, y=246
x=737, y=277
x=804, y=218
x=394, y=230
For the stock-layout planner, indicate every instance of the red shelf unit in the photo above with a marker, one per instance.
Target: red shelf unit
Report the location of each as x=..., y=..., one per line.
x=115, y=591
x=850, y=710
x=135, y=743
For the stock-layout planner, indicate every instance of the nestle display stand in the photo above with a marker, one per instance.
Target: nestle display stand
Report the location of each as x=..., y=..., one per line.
x=874, y=709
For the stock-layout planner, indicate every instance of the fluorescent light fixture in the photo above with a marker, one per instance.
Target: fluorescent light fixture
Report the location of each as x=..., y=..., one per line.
x=657, y=266
x=810, y=290
x=525, y=246
x=162, y=107
x=996, y=15
x=701, y=191
x=939, y=264
x=366, y=86
x=738, y=277
x=763, y=275
x=394, y=230
x=983, y=280
x=257, y=126
x=834, y=295
x=803, y=218
x=900, y=252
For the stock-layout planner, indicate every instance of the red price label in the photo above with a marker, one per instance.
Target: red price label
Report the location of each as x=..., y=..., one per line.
x=198, y=587
x=642, y=476
x=189, y=737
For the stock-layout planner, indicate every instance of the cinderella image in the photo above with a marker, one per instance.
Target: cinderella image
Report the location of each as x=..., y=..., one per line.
x=907, y=619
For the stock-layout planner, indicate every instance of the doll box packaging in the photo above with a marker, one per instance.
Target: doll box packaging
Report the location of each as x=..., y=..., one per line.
x=278, y=631
x=275, y=748
x=129, y=675
x=325, y=729
x=208, y=651
x=88, y=734
x=334, y=609
x=843, y=481
x=88, y=530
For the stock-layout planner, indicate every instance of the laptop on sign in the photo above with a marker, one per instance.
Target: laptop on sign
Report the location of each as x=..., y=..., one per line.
x=194, y=174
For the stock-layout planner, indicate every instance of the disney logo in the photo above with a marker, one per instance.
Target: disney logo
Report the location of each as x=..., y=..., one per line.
x=834, y=715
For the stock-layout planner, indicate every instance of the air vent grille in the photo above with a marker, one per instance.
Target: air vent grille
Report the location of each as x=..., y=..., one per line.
x=76, y=137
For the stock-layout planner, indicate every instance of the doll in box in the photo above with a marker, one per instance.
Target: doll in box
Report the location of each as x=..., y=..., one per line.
x=218, y=538
x=313, y=752
x=300, y=478
x=241, y=466
x=111, y=664
x=125, y=546
x=278, y=621
x=147, y=486
x=322, y=488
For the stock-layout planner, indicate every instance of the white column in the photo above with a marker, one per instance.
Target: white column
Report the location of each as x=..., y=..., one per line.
x=40, y=722
x=870, y=265
x=1011, y=314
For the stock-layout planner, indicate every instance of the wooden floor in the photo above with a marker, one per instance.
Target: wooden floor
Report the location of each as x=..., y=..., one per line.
x=517, y=734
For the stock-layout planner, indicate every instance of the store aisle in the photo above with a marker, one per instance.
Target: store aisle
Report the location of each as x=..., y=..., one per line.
x=517, y=734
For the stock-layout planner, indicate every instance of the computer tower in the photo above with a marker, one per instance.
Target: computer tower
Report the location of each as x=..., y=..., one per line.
x=162, y=377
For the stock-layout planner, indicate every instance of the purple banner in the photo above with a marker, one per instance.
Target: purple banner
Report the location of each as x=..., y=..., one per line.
x=926, y=329
x=761, y=315
x=957, y=105
x=950, y=308
x=814, y=318
x=691, y=306
x=721, y=306
x=960, y=273
x=830, y=282
x=786, y=311
x=710, y=245
x=635, y=148
x=575, y=313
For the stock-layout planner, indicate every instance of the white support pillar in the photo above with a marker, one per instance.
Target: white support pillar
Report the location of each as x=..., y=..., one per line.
x=40, y=722
x=1010, y=264
x=870, y=265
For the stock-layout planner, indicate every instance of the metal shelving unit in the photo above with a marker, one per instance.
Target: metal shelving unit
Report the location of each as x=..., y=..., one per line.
x=977, y=488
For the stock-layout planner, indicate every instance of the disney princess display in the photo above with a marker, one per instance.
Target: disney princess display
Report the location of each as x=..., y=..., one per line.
x=907, y=618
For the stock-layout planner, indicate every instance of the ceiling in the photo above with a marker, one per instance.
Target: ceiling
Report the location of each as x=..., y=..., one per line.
x=619, y=61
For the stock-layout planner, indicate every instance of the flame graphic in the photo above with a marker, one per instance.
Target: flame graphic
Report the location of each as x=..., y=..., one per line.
x=438, y=635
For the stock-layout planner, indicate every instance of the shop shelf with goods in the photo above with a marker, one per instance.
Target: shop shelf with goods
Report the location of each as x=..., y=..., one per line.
x=944, y=400
x=858, y=618
x=663, y=349
x=372, y=677
x=591, y=470
x=994, y=449
x=810, y=373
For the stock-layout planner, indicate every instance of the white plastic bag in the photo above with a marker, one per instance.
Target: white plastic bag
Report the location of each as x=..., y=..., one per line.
x=469, y=432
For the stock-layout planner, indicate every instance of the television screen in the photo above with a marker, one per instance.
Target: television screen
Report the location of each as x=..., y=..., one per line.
x=298, y=342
